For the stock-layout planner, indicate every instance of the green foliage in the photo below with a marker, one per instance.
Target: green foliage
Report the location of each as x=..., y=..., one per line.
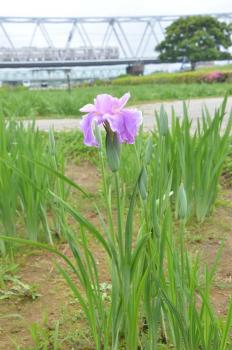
x=192, y=77
x=24, y=185
x=19, y=289
x=227, y=168
x=11, y=285
x=157, y=292
x=58, y=104
x=44, y=338
x=8, y=269
x=157, y=295
x=195, y=38
x=195, y=158
x=70, y=145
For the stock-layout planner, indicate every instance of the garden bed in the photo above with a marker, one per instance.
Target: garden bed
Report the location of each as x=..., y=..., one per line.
x=29, y=323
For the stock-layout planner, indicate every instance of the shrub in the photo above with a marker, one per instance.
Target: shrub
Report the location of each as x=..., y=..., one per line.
x=215, y=77
x=175, y=78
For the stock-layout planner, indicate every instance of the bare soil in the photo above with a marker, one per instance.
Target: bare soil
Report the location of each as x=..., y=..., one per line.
x=55, y=301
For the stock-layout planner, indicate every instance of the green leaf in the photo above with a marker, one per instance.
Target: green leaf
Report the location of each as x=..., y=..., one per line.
x=83, y=221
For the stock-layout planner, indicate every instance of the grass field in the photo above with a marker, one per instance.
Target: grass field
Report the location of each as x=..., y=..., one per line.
x=60, y=104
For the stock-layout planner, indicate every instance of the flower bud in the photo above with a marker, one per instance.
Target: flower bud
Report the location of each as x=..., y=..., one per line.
x=163, y=122
x=143, y=183
x=112, y=150
x=182, y=204
x=97, y=134
x=148, y=151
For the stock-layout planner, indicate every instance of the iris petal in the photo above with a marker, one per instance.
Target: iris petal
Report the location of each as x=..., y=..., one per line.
x=103, y=103
x=123, y=100
x=115, y=121
x=126, y=124
x=106, y=108
x=132, y=119
x=87, y=128
x=89, y=108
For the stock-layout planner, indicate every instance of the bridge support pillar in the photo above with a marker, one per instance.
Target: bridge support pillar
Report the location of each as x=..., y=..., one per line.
x=135, y=69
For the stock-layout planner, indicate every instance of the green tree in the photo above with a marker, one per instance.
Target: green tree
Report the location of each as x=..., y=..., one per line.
x=195, y=38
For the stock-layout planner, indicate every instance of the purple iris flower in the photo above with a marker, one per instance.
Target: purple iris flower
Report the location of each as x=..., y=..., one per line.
x=109, y=111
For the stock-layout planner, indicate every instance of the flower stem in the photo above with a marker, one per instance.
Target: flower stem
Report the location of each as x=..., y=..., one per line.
x=106, y=195
x=119, y=214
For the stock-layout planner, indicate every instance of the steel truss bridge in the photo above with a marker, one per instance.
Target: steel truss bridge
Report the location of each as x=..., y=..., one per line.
x=33, y=42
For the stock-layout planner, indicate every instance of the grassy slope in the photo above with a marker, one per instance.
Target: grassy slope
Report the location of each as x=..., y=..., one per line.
x=60, y=103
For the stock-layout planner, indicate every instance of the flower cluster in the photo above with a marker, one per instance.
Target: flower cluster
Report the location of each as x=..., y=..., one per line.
x=110, y=112
x=214, y=77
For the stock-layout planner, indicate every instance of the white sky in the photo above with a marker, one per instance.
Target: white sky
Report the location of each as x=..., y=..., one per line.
x=111, y=7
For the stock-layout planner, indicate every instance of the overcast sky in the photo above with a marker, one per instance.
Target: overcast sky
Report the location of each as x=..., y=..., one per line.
x=111, y=8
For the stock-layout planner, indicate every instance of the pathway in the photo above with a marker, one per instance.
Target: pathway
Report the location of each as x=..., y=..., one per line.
x=194, y=106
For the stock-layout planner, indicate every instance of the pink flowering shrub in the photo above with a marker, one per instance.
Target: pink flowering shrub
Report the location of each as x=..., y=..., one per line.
x=215, y=77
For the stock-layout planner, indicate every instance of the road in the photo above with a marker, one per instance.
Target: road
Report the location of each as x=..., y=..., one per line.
x=194, y=107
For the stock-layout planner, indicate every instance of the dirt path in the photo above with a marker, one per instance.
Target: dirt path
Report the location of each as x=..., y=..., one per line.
x=194, y=106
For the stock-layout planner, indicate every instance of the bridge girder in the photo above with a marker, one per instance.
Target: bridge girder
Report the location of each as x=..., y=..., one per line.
x=108, y=32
